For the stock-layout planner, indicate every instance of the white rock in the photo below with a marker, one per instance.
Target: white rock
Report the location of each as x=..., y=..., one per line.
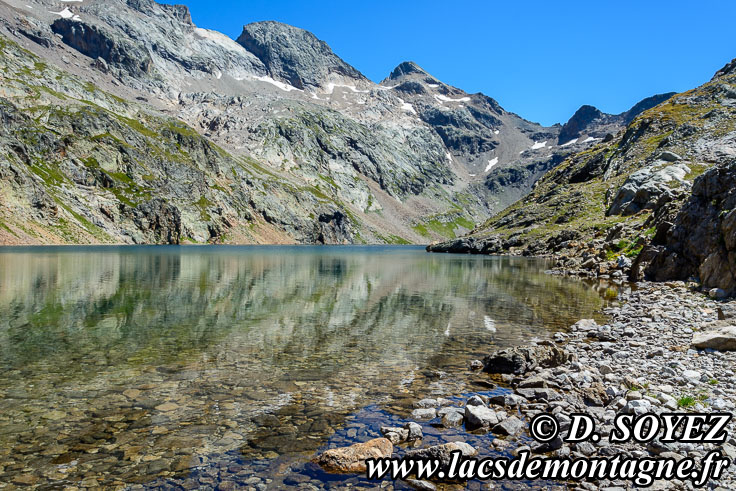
x=691, y=375
x=722, y=339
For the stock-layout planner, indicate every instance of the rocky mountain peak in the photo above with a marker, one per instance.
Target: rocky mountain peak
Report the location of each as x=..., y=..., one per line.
x=582, y=118
x=294, y=55
x=148, y=7
x=406, y=68
x=180, y=12
x=590, y=121
x=728, y=69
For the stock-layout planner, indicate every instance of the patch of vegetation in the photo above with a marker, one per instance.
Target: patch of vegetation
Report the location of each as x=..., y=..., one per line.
x=686, y=402
x=329, y=180
x=203, y=203
x=393, y=239
x=610, y=294
x=695, y=171
x=443, y=226
x=7, y=229
x=49, y=173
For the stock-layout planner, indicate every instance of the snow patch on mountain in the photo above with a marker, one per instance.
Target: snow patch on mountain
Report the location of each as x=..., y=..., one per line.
x=444, y=98
x=491, y=163
x=276, y=83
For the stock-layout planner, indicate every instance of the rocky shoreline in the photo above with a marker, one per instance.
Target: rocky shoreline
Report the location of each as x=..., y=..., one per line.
x=643, y=360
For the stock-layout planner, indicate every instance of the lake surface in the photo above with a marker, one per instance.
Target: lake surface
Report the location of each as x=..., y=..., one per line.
x=231, y=366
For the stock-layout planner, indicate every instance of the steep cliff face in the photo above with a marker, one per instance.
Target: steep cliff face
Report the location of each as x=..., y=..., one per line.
x=78, y=165
x=296, y=56
x=613, y=199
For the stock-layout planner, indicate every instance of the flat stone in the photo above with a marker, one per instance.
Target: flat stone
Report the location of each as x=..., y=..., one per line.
x=722, y=339
x=548, y=395
x=352, y=459
x=132, y=393
x=452, y=419
x=167, y=406
x=692, y=375
x=421, y=485
x=426, y=403
x=54, y=415
x=424, y=413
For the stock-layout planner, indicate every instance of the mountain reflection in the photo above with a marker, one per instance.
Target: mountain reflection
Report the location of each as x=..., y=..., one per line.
x=159, y=304
x=141, y=357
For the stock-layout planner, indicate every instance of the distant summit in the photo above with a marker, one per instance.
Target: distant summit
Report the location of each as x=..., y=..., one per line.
x=406, y=68
x=295, y=55
x=590, y=121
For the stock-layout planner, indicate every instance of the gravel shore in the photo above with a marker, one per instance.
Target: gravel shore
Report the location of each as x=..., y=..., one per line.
x=641, y=361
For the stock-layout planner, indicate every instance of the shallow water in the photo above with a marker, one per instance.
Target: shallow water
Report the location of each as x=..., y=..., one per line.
x=232, y=366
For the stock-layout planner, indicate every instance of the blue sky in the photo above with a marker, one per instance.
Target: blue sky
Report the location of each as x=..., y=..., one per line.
x=540, y=59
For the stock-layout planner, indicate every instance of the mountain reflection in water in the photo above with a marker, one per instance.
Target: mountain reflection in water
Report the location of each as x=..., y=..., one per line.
x=135, y=363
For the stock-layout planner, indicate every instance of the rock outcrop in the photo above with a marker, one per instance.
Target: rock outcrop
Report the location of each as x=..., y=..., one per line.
x=98, y=42
x=721, y=337
x=701, y=241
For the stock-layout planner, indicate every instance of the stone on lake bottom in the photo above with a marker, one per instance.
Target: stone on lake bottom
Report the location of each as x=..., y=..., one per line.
x=166, y=407
x=427, y=413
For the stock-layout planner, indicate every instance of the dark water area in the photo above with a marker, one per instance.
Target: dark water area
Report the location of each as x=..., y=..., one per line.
x=229, y=367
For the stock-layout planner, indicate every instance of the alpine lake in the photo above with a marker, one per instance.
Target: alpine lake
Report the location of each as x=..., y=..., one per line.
x=221, y=367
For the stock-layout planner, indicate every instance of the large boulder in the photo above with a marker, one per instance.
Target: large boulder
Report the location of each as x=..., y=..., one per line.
x=480, y=417
x=646, y=187
x=721, y=338
x=469, y=245
x=523, y=359
x=352, y=459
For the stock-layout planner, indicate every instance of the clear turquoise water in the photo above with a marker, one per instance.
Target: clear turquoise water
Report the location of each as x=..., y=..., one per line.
x=136, y=364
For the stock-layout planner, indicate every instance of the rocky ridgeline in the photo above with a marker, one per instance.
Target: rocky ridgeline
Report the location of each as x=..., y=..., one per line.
x=331, y=156
x=663, y=350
